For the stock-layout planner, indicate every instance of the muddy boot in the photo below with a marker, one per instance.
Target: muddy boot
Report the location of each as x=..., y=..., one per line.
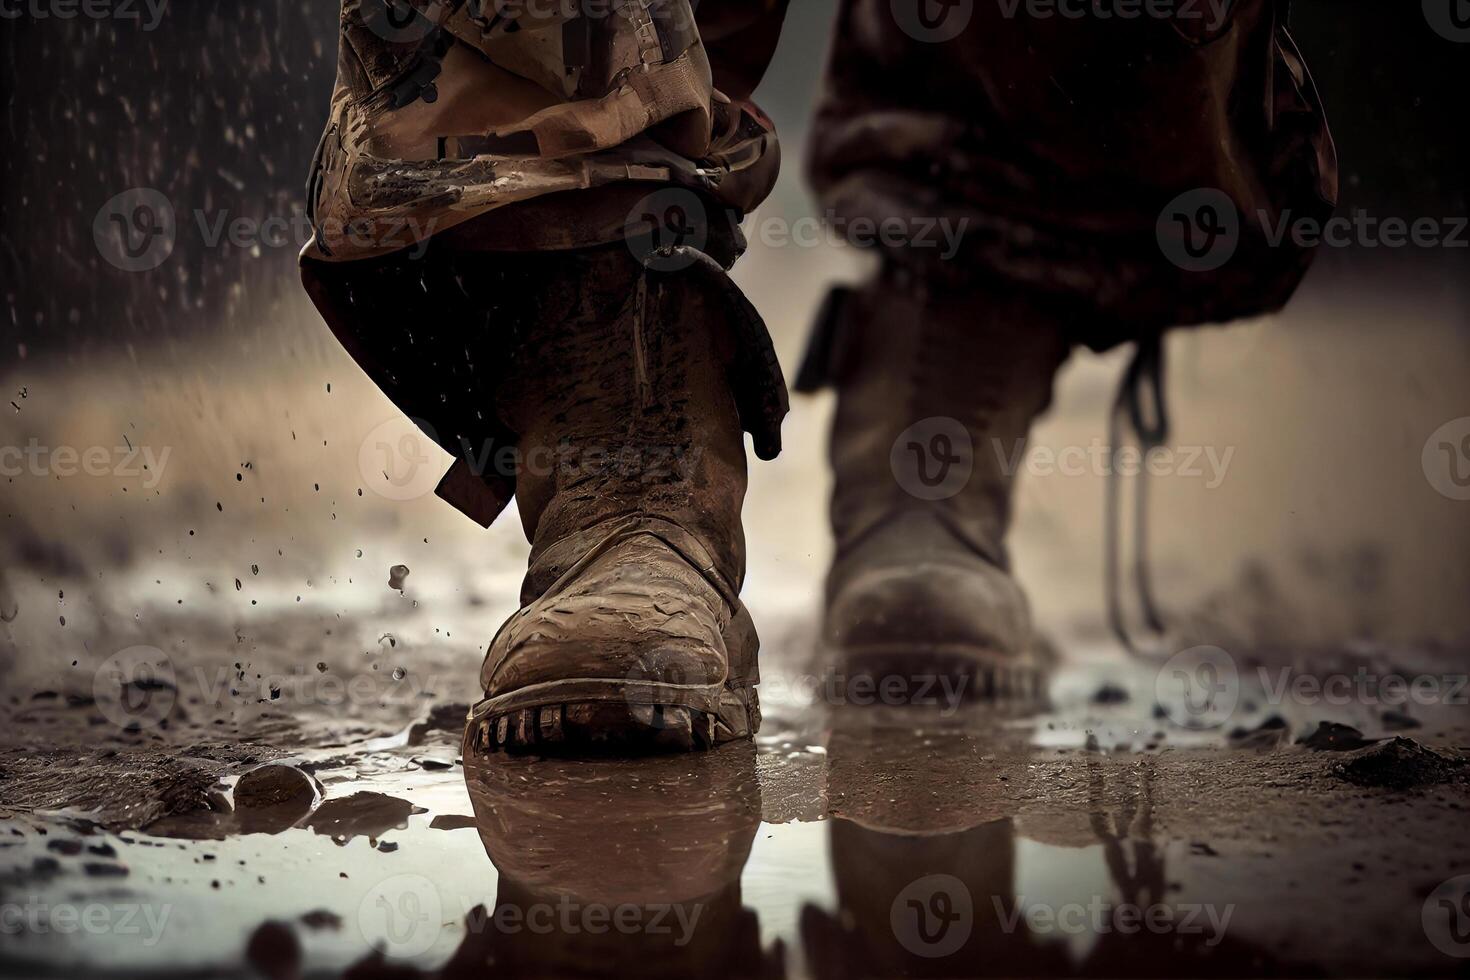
x=626, y=390
x=936, y=395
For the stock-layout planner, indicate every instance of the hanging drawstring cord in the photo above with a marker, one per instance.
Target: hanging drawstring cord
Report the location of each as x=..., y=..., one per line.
x=1144, y=377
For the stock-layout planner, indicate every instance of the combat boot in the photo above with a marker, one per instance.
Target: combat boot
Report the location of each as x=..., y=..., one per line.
x=626, y=388
x=936, y=393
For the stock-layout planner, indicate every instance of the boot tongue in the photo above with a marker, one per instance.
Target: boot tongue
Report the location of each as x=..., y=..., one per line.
x=560, y=562
x=921, y=535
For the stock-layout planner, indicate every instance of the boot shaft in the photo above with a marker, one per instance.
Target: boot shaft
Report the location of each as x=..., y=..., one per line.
x=936, y=391
x=626, y=389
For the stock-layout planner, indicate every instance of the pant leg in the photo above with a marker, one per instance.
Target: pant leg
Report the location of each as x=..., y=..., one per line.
x=1133, y=168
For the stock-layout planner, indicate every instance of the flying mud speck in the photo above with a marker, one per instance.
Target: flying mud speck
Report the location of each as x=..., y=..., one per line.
x=396, y=575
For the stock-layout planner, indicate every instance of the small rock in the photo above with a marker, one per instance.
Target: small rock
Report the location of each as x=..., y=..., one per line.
x=1110, y=694
x=272, y=785
x=1399, y=763
x=396, y=575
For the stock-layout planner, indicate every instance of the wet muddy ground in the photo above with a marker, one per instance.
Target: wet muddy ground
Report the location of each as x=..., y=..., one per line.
x=229, y=727
x=1122, y=830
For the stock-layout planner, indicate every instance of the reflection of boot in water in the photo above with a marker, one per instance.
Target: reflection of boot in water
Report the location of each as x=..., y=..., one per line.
x=931, y=882
x=936, y=393
x=921, y=905
x=617, y=868
x=921, y=850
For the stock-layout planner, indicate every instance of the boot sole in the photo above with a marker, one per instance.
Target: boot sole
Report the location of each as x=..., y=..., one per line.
x=617, y=715
x=976, y=674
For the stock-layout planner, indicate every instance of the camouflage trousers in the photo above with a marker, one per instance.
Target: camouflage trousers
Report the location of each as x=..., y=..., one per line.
x=1130, y=160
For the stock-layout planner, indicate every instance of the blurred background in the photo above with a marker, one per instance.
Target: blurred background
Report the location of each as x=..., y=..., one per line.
x=256, y=525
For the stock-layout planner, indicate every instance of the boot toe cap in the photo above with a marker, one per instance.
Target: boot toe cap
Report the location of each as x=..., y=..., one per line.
x=930, y=606
x=638, y=623
x=667, y=639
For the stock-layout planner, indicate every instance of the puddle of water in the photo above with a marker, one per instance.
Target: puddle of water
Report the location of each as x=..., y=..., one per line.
x=842, y=843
